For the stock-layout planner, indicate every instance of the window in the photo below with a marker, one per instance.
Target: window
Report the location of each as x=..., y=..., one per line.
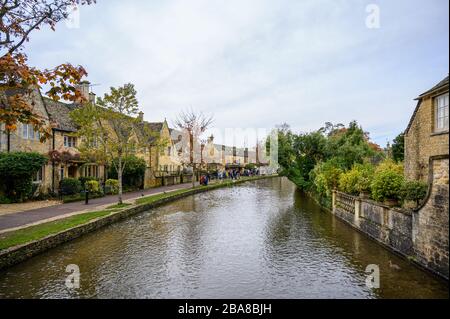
x=441, y=113
x=62, y=172
x=37, y=178
x=29, y=133
x=70, y=141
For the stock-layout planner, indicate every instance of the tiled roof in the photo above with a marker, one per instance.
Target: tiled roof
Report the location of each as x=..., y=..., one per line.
x=440, y=85
x=59, y=114
x=149, y=132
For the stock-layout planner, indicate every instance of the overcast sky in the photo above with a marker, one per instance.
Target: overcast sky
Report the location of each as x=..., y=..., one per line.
x=258, y=63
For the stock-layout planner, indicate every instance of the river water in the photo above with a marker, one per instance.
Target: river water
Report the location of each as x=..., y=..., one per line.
x=262, y=239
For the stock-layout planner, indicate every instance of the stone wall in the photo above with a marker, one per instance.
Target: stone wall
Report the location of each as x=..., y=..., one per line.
x=430, y=222
x=420, y=235
x=389, y=226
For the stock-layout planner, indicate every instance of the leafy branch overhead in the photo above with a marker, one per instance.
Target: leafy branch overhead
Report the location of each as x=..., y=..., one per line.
x=18, y=80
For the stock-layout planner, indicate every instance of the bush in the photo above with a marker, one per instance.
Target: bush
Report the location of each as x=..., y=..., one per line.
x=357, y=180
x=133, y=175
x=387, y=182
x=414, y=191
x=84, y=179
x=92, y=186
x=325, y=177
x=4, y=200
x=112, y=185
x=70, y=186
x=16, y=172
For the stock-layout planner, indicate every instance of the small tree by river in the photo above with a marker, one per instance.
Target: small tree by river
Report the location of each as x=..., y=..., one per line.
x=193, y=126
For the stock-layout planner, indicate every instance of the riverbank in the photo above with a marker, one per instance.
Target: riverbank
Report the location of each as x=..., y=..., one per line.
x=19, y=245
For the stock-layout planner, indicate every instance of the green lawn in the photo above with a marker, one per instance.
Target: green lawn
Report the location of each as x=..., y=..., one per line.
x=31, y=233
x=123, y=205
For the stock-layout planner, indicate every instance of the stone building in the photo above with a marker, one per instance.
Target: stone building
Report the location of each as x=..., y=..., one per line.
x=427, y=159
x=427, y=132
x=64, y=160
x=160, y=155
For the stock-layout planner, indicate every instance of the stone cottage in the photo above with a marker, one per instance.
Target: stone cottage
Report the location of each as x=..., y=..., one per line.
x=427, y=159
x=64, y=160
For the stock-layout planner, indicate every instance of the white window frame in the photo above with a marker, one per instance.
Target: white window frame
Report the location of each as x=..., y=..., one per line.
x=70, y=141
x=441, y=115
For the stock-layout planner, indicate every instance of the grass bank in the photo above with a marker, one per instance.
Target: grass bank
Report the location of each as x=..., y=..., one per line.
x=25, y=235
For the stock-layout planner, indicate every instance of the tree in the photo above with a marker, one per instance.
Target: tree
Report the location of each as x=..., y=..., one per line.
x=18, y=19
x=193, y=125
x=107, y=129
x=398, y=148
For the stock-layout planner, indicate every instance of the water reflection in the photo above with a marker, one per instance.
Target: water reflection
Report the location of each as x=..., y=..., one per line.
x=260, y=240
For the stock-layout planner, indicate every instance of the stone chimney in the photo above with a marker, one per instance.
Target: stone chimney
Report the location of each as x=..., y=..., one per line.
x=83, y=87
x=92, y=97
x=141, y=116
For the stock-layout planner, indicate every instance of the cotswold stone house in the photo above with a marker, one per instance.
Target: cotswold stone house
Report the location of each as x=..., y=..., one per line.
x=64, y=160
x=427, y=133
x=427, y=159
x=160, y=155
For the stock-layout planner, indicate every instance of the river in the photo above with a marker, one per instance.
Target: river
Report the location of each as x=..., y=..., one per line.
x=262, y=239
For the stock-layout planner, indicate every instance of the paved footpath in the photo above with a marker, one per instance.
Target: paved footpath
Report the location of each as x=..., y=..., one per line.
x=20, y=219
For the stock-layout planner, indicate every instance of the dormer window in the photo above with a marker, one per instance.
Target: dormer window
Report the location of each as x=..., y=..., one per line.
x=441, y=113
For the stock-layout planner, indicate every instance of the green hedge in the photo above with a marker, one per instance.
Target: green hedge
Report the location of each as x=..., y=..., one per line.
x=16, y=172
x=70, y=186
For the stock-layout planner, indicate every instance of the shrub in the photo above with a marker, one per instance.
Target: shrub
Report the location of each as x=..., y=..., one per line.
x=347, y=182
x=112, y=186
x=387, y=182
x=84, y=179
x=16, y=172
x=70, y=186
x=4, y=200
x=325, y=177
x=357, y=180
x=92, y=186
x=414, y=191
x=134, y=172
x=389, y=164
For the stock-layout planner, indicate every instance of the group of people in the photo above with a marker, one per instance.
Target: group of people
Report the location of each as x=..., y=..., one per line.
x=232, y=174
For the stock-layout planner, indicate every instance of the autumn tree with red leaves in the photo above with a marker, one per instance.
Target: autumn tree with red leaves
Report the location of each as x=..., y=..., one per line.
x=18, y=19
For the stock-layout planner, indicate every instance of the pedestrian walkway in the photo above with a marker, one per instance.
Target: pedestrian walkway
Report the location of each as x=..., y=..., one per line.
x=34, y=216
